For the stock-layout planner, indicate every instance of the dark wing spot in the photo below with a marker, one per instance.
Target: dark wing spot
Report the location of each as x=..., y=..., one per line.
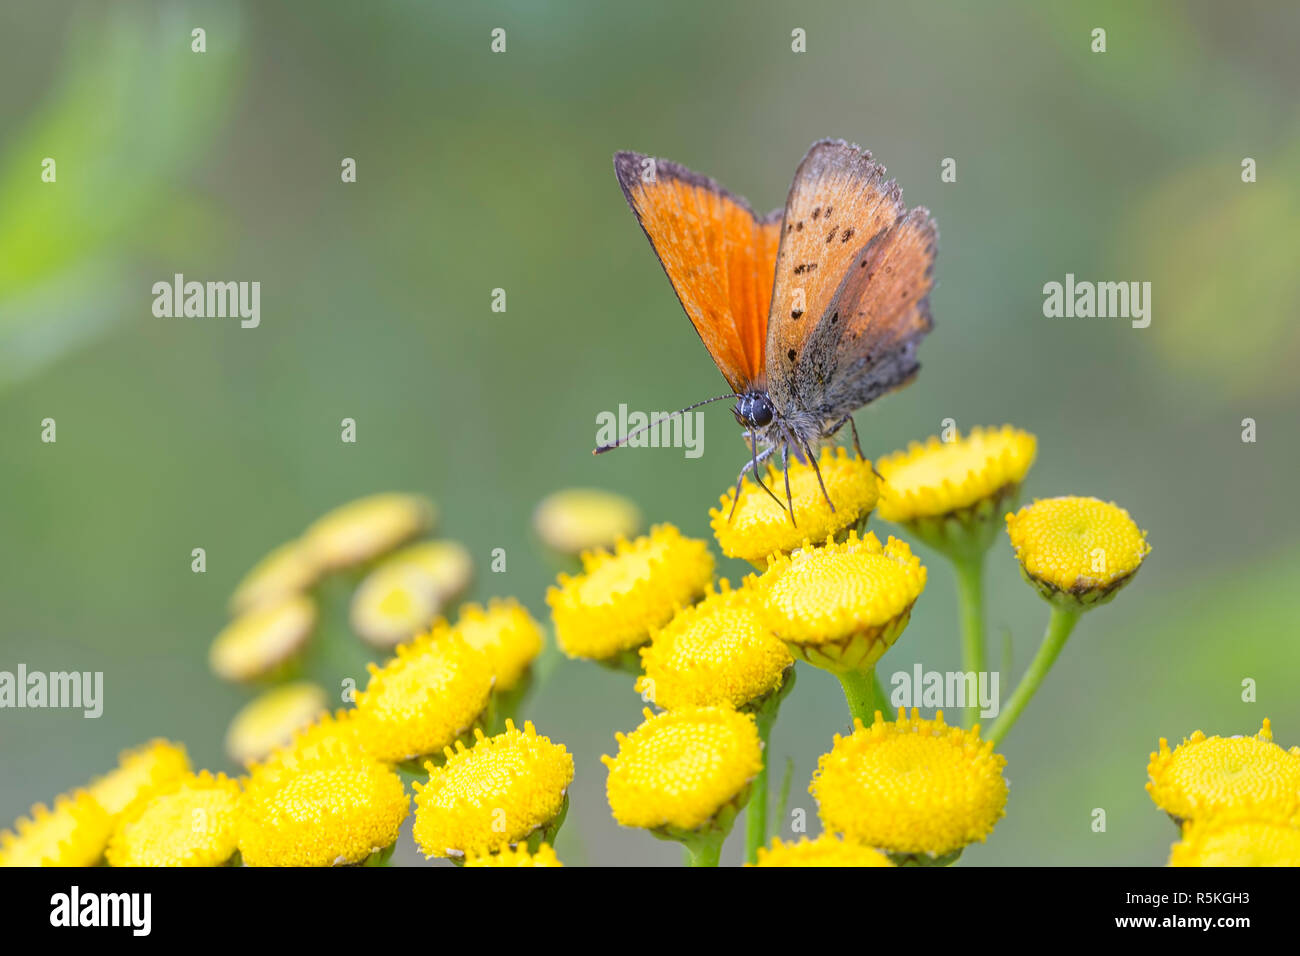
x=848, y=234
x=792, y=355
x=831, y=237
x=829, y=210
x=835, y=317
x=803, y=267
x=798, y=226
x=817, y=212
x=796, y=313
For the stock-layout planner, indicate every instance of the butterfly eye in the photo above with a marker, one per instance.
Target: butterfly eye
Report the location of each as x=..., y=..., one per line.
x=754, y=410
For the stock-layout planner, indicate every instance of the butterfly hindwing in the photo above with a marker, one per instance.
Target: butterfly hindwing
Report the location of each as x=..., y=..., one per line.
x=838, y=201
x=718, y=256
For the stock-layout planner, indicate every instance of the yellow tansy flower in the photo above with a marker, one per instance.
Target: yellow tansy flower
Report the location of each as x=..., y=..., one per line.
x=286, y=571
x=490, y=796
x=1076, y=551
x=684, y=770
x=320, y=814
x=517, y=856
x=394, y=603
x=610, y=608
x=760, y=526
x=506, y=633
x=139, y=771
x=271, y=719
x=913, y=788
x=1204, y=776
x=447, y=565
x=189, y=822
x=826, y=850
x=1237, y=842
x=329, y=739
x=843, y=605
x=950, y=493
x=73, y=833
x=362, y=530
x=262, y=641
x=582, y=519
x=718, y=652
x=424, y=698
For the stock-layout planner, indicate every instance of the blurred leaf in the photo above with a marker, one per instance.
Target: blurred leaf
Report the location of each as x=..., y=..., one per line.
x=133, y=114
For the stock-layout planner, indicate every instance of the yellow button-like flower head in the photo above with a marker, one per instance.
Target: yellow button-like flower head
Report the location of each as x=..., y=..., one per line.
x=493, y=795
x=916, y=789
x=320, y=814
x=286, y=571
x=393, y=604
x=761, y=527
x=841, y=606
x=424, y=698
x=583, y=519
x=1244, y=776
x=719, y=651
x=517, y=856
x=362, y=530
x=506, y=633
x=610, y=608
x=826, y=850
x=271, y=719
x=139, y=771
x=684, y=770
x=261, y=643
x=447, y=564
x=74, y=833
x=1237, y=842
x=1077, y=552
x=951, y=493
x=189, y=822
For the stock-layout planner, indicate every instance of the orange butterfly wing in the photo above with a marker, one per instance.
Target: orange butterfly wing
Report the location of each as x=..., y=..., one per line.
x=719, y=257
x=839, y=203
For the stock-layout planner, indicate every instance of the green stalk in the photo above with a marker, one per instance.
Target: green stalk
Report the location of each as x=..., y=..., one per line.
x=756, y=812
x=970, y=600
x=864, y=694
x=1059, y=626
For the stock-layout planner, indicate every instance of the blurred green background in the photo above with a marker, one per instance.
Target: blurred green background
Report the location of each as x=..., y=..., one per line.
x=478, y=171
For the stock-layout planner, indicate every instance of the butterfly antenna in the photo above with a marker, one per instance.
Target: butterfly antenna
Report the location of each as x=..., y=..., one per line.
x=657, y=422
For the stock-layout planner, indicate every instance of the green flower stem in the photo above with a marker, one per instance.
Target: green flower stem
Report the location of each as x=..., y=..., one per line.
x=705, y=849
x=1059, y=626
x=864, y=694
x=970, y=599
x=756, y=812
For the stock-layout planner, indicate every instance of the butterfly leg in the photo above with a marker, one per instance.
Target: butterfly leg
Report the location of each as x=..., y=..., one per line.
x=857, y=446
x=752, y=465
x=785, y=465
x=812, y=460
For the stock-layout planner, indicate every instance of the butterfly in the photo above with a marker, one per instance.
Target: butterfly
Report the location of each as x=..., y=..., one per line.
x=809, y=312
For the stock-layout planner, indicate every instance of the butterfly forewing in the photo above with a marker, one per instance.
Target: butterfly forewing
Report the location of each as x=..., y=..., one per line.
x=718, y=256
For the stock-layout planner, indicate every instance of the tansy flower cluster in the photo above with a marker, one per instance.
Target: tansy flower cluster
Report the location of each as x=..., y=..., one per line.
x=434, y=699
